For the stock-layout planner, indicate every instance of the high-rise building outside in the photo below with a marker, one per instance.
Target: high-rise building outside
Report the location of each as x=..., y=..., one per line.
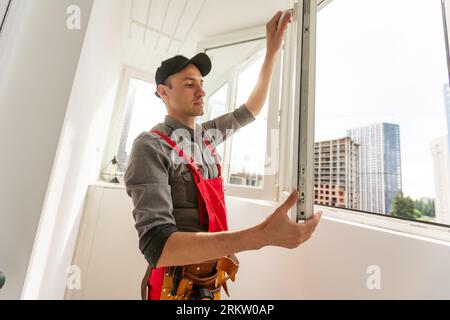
x=447, y=110
x=441, y=167
x=380, y=177
x=336, y=173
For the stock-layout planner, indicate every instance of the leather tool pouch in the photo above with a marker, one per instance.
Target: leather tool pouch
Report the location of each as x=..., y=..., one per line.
x=201, y=281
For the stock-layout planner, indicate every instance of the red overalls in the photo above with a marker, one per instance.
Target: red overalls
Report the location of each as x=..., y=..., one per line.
x=211, y=202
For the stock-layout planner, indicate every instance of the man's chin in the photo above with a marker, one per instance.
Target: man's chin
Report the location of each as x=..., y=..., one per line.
x=199, y=112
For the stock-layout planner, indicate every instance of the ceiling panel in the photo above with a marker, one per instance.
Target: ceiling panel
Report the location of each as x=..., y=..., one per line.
x=187, y=22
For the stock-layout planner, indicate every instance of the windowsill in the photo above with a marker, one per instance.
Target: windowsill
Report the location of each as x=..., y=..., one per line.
x=384, y=223
x=108, y=185
x=418, y=230
x=407, y=228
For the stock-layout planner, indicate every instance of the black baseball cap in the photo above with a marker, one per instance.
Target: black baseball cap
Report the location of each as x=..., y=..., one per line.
x=176, y=64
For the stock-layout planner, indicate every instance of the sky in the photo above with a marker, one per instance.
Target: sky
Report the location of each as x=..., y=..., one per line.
x=384, y=61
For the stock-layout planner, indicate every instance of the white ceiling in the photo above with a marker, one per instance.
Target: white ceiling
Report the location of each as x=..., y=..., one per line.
x=186, y=23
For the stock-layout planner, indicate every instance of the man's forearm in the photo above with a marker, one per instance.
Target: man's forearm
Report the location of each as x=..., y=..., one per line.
x=259, y=94
x=184, y=248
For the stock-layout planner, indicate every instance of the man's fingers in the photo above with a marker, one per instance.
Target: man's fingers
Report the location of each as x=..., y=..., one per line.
x=276, y=17
x=310, y=226
x=312, y=223
x=279, y=22
x=318, y=215
x=283, y=24
x=290, y=201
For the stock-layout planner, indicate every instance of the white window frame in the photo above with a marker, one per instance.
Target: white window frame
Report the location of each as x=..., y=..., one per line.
x=304, y=107
x=289, y=120
x=269, y=190
x=118, y=115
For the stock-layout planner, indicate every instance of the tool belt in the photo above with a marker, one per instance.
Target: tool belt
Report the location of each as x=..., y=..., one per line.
x=201, y=281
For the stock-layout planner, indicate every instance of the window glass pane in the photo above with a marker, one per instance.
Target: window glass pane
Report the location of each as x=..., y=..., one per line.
x=381, y=131
x=217, y=103
x=226, y=58
x=217, y=106
x=143, y=111
x=249, y=145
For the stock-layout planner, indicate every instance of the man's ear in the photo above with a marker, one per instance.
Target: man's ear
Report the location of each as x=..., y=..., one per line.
x=162, y=91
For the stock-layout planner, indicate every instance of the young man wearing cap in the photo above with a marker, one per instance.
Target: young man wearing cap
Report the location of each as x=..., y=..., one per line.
x=179, y=206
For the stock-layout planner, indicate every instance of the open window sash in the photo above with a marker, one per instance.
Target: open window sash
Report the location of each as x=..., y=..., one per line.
x=268, y=191
x=305, y=12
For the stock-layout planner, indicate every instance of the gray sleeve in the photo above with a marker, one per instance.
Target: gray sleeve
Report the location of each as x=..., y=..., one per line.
x=228, y=124
x=152, y=243
x=147, y=183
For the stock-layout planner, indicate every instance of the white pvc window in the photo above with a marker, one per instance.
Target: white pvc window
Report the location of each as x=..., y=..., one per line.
x=146, y=109
x=139, y=110
x=237, y=62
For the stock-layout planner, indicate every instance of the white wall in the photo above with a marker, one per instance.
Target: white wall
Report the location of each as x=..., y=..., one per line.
x=79, y=154
x=38, y=58
x=332, y=265
x=107, y=252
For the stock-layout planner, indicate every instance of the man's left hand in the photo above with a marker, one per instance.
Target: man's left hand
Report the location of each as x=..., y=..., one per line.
x=275, y=29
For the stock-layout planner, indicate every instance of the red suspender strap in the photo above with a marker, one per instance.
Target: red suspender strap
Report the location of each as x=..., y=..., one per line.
x=189, y=161
x=213, y=152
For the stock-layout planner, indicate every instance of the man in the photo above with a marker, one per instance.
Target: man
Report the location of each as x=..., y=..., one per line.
x=179, y=205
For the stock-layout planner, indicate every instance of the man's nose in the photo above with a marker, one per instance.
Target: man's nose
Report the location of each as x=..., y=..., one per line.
x=200, y=91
